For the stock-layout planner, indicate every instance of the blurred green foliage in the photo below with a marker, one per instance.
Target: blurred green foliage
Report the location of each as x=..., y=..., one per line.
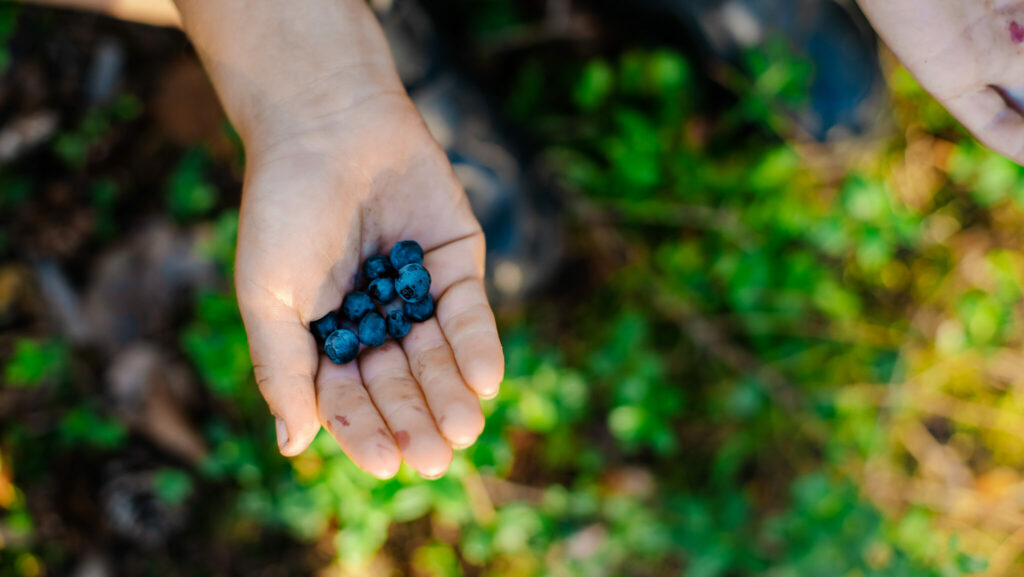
x=86, y=426
x=8, y=24
x=189, y=194
x=104, y=194
x=33, y=363
x=172, y=486
x=74, y=146
x=738, y=396
x=216, y=343
x=14, y=191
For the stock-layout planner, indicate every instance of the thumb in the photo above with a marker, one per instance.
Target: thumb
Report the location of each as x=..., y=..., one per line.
x=284, y=358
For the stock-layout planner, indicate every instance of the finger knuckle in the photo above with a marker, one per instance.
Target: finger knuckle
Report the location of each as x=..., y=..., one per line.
x=473, y=317
x=407, y=415
x=391, y=387
x=431, y=359
x=269, y=378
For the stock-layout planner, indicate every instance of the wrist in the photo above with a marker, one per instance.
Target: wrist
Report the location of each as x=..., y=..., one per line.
x=314, y=111
x=281, y=67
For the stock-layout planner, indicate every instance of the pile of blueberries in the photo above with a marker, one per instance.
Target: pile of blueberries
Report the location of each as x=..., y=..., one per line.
x=400, y=276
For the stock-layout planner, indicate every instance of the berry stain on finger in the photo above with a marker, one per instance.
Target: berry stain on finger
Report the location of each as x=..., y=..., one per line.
x=402, y=439
x=1016, y=32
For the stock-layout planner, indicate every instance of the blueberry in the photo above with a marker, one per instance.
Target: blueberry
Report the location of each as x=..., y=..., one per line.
x=382, y=291
x=342, y=346
x=413, y=283
x=420, y=311
x=398, y=324
x=377, y=266
x=350, y=326
x=323, y=327
x=355, y=306
x=371, y=330
x=406, y=252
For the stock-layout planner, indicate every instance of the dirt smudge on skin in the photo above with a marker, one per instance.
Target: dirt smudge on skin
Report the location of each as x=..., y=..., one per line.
x=341, y=420
x=402, y=438
x=1009, y=99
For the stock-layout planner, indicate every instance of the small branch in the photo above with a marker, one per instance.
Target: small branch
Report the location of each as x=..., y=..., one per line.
x=479, y=499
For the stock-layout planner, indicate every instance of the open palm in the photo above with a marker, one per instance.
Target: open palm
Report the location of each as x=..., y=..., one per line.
x=316, y=204
x=968, y=54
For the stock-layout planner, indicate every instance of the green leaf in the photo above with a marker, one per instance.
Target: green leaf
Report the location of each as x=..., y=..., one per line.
x=515, y=526
x=411, y=503
x=437, y=560
x=669, y=73
x=219, y=245
x=8, y=23
x=172, y=486
x=627, y=423
x=594, y=85
x=73, y=149
x=15, y=190
x=125, y=107
x=9, y=12
x=35, y=362
x=361, y=538
x=83, y=426
x=189, y=194
x=537, y=411
x=217, y=344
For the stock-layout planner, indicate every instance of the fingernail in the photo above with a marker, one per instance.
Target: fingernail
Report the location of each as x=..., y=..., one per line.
x=282, y=434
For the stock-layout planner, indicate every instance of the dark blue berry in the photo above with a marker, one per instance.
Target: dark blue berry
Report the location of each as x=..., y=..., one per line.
x=372, y=331
x=350, y=326
x=355, y=306
x=377, y=266
x=398, y=324
x=413, y=283
x=406, y=252
x=342, y=346
x=382, y=291
x=420, y=311
x=323, y=327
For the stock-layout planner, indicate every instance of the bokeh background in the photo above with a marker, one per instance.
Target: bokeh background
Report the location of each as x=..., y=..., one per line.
x=760, y=298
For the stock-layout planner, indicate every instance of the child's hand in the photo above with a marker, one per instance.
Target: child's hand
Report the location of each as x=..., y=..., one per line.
x=316, y=204
x=968, y=55
x=340, y=166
